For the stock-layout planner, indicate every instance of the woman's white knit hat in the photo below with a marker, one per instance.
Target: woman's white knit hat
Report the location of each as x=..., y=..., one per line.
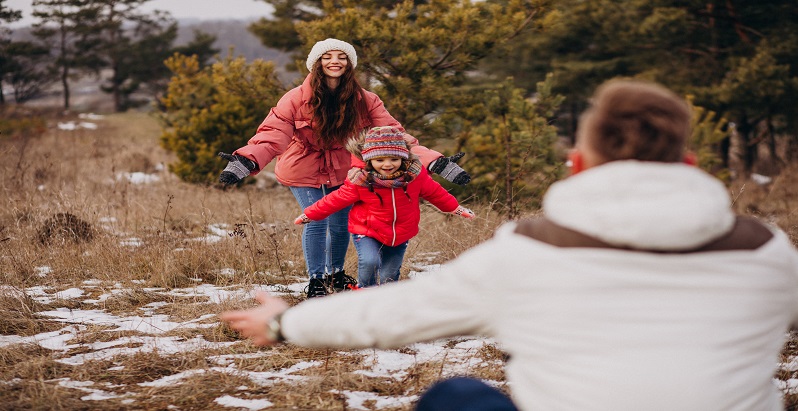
x=328, y=45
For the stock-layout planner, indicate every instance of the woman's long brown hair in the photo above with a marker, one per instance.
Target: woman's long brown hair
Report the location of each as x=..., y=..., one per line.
x=337, y=114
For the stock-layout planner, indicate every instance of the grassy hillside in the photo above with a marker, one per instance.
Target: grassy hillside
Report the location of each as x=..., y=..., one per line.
x=112, y=272
x=102, y=249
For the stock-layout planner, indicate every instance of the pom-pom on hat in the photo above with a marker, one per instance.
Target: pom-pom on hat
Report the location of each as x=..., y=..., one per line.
x=328, y=45
x=381, y=142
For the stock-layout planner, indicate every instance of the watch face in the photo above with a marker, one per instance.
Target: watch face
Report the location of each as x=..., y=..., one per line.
x=274, y=331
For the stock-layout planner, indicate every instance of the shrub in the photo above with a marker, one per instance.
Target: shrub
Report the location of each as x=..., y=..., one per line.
x=212, y=109
x=513, y=148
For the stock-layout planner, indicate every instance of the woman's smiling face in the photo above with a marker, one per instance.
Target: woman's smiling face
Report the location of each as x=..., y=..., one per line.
x=334, y=63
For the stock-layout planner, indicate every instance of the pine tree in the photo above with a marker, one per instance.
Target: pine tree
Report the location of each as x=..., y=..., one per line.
x=68, y=26
x=709, y=131
x=419, y=58
x=201, y=46
x=6, y=64
x=760, y=94
x=718, y=51
x=279, y=31
x=23, y=64
x=512, y=145
x=27, y=70
x=134, y=45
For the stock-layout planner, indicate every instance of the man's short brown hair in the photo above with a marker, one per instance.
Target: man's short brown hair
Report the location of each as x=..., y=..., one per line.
x=636, y=120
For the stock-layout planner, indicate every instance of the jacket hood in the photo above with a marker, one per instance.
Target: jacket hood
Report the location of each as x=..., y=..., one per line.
x=644, y=205
x=355, y=146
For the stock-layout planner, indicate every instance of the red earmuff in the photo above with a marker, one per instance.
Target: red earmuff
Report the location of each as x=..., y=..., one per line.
x=576, y=163
x=690, y=158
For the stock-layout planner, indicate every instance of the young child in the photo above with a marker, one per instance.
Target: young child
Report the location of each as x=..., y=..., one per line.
x=385, y=197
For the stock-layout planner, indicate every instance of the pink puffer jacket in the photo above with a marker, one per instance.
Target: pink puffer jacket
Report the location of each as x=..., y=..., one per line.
x=286, y=133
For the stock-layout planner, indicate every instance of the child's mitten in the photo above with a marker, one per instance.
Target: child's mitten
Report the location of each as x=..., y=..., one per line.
x=463, y=212
x=302, y=219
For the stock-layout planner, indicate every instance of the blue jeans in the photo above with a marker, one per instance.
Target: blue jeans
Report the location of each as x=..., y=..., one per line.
x=324, y=242
x=464, y=394
x=377, y=263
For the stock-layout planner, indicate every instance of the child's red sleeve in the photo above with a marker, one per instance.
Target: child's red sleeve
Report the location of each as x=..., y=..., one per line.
x=436, y=194
x=335, y=201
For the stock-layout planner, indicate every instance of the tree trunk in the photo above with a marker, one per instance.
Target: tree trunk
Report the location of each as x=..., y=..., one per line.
x=508, y=171
x=65, y=85
x=791, y=150
x=64, y=68
x=574, y=123
x=776, y=160
x=747, y=150
x=725, y=152
x=118, y=103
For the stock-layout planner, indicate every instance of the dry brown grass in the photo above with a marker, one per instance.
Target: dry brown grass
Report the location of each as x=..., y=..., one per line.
x=775, y=203
x=69, y=218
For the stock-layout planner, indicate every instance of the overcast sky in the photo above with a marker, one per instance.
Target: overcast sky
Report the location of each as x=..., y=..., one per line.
x=200, y=9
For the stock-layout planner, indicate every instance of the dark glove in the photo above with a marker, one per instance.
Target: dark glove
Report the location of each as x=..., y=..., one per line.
x=447, y=168
x=237, y=168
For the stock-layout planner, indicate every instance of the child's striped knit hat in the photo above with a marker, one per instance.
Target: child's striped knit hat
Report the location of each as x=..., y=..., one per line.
x=383, y=142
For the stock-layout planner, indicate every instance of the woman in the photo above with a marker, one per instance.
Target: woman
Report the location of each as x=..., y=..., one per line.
x=308, y=130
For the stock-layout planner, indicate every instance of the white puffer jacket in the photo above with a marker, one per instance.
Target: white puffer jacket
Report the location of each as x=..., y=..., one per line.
x=601, y=328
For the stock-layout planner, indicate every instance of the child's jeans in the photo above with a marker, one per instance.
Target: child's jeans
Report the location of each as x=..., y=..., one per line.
x=324, y=242
x=377, y=263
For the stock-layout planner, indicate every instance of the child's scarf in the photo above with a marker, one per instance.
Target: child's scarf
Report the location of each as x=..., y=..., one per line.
x=370, y=179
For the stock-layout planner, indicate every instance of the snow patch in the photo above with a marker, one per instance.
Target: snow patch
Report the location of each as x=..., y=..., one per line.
x=230, y=401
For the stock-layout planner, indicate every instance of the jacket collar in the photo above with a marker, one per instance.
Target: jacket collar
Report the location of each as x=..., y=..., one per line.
x=306, y=91
x=747, y=234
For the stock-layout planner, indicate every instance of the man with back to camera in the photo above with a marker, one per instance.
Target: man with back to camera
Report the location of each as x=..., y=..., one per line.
x=638, y=288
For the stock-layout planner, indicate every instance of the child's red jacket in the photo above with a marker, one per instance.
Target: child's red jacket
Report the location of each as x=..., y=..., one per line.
x=392, y=221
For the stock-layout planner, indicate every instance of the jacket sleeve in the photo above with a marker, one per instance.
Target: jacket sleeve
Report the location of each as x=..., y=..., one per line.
x=380, y=117
x=274, y=133
x=424, y=154
x=335, y=201
x=436, y=194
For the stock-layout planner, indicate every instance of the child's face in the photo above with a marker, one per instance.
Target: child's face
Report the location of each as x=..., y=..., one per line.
x=386, y=165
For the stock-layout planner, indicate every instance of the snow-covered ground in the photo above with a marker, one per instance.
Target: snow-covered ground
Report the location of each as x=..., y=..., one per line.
x=155, y=333
x=150, y=329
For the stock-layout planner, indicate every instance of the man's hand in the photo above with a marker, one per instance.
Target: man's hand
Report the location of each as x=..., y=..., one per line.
x=237, y=168
x=447, y=168
x=254, y=323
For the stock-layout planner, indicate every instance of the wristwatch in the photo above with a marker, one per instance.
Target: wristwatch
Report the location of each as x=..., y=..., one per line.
x=274, y=329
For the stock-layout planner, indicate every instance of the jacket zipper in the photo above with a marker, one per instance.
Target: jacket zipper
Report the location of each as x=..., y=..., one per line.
x=393, y=224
